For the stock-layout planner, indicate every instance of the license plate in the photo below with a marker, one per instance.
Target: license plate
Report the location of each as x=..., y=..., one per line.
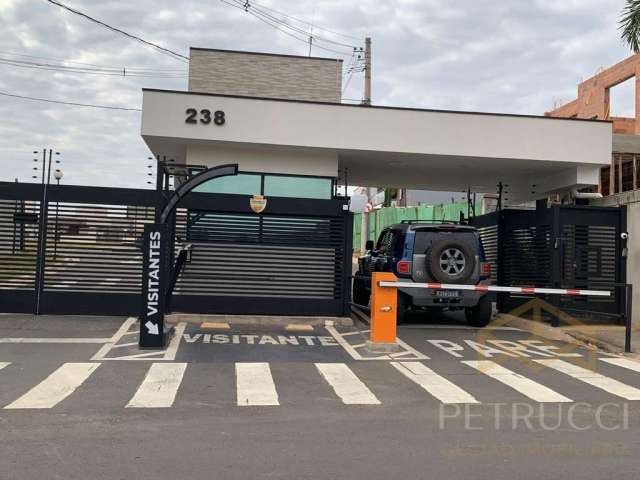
x=448, y=293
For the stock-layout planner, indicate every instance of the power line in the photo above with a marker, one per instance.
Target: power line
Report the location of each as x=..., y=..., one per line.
x=305, y=22
x=293, y=31
x=146, y=69
x=24, y=97
x=166, y=51
x=122, y=72
x=307, y=32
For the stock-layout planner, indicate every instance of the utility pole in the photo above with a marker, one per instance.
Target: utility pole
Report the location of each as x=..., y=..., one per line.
x=364, y=226
x=367, y=71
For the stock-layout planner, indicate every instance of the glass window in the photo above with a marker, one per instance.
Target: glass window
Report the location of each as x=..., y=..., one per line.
x=245, y=184
x=299, y=187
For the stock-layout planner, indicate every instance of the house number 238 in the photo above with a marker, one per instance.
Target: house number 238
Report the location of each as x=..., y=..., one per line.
x=205, y=116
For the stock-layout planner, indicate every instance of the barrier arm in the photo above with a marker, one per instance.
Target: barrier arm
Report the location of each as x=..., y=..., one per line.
x=384, y=303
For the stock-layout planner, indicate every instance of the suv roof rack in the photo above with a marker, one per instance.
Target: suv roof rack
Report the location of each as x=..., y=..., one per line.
x=413, y=222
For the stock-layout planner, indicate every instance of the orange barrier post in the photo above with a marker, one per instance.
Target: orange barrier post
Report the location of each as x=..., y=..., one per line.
x=384, y=307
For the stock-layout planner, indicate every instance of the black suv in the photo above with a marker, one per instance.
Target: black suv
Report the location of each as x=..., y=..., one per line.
x=429, y=252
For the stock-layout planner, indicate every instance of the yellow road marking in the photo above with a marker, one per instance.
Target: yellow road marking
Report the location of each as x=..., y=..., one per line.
x=218, y=325
x=299, y=327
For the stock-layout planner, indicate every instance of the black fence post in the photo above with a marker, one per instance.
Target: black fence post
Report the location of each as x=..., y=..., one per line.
x=500, y=263
x=347, y=263
x=622, y=254
x=628, y=317
x=556, y=258
x=41, y=253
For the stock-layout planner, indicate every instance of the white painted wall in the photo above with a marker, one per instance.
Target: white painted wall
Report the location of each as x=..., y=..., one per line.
x=303, y=124
x=252, y=158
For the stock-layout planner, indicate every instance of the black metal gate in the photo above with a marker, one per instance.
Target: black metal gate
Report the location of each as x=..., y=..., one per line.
x=292, y=259
x=564, y=246
x=77, y=250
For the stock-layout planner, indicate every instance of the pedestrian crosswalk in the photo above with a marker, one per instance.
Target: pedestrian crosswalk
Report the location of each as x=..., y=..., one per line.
x=56, y=387
x=595, y=379
x=350, y=389
x=255, y=384
x=526, y=386
x=159, y=387
x=436, y=385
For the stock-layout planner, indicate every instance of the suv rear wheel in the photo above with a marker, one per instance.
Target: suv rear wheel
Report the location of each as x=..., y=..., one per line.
x=480, y=315
x=450, y=261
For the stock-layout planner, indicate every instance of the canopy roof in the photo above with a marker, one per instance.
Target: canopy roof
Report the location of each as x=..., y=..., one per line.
x=387, y=146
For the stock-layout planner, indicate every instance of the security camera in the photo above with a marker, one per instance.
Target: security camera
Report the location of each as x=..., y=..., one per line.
x=624, y=235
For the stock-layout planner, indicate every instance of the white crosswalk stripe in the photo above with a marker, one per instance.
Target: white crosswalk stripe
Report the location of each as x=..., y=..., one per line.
x=624, y=363
x=255, y=386
x=56, y=387
x=592, y=378
x=438, y=386
x=524, y=385
x=350, y=389
x=159, y=387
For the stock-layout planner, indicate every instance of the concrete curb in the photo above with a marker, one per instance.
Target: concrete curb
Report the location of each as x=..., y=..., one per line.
x=557, y=334
x=259, y=320
x=537, y=328
x=376, y=347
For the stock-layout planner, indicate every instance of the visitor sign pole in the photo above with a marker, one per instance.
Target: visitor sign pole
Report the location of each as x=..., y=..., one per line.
x=154, y=280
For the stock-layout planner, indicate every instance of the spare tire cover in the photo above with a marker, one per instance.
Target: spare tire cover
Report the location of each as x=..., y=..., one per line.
x=450, y=261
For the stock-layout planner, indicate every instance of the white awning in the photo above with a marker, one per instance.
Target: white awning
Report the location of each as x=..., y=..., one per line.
x=385, y=146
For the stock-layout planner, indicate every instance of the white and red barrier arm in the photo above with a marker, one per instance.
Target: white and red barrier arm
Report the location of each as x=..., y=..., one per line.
x=496, y=288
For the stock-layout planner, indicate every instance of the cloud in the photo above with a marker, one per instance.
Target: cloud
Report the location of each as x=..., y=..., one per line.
x=512, y=56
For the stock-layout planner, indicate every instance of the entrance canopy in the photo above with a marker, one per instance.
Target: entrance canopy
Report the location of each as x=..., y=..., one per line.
x=379, y=146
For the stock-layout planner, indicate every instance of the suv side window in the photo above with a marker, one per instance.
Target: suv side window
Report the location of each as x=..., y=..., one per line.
x=390, y=243
x=384, y=242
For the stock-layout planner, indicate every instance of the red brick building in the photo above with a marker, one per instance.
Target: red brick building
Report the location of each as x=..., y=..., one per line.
x=594, y=102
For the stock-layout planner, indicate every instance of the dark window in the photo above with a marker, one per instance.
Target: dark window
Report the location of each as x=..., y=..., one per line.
x=424, y=239
x=391, y=243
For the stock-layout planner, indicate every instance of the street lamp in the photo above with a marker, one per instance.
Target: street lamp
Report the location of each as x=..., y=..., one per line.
x=58, y=175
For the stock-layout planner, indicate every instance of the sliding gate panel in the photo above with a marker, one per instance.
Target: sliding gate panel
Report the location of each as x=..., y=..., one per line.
x=93, y=257
x=564, y=246
x=591, y=256
x=18, y=249
x=268, y=264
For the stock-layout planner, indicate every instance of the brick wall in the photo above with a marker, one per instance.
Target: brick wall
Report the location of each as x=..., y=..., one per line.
x=265, y=75
x=594, y=99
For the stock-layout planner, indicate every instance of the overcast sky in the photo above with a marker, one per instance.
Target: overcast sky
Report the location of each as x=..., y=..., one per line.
x=514, y=56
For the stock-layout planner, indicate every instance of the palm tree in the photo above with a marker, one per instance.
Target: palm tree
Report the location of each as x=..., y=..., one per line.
x=630, y=24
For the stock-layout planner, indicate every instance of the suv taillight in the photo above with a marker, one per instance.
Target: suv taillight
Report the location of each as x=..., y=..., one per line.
x=485, y=269
x=403, y=266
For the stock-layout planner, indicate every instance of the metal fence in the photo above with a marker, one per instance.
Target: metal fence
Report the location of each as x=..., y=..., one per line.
x=565, y=246
x=79, y=252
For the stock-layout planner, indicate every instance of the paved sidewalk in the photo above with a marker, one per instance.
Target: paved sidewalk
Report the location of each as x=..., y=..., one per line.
x=608, y=338
x=605, y=337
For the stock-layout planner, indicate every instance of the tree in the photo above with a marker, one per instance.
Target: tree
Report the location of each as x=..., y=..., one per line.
x=630, y=24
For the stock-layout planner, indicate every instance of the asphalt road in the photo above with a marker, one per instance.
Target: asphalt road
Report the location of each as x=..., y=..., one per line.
x=243, y=403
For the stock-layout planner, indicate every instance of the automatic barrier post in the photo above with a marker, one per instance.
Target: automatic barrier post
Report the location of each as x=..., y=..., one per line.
x=384, y=308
